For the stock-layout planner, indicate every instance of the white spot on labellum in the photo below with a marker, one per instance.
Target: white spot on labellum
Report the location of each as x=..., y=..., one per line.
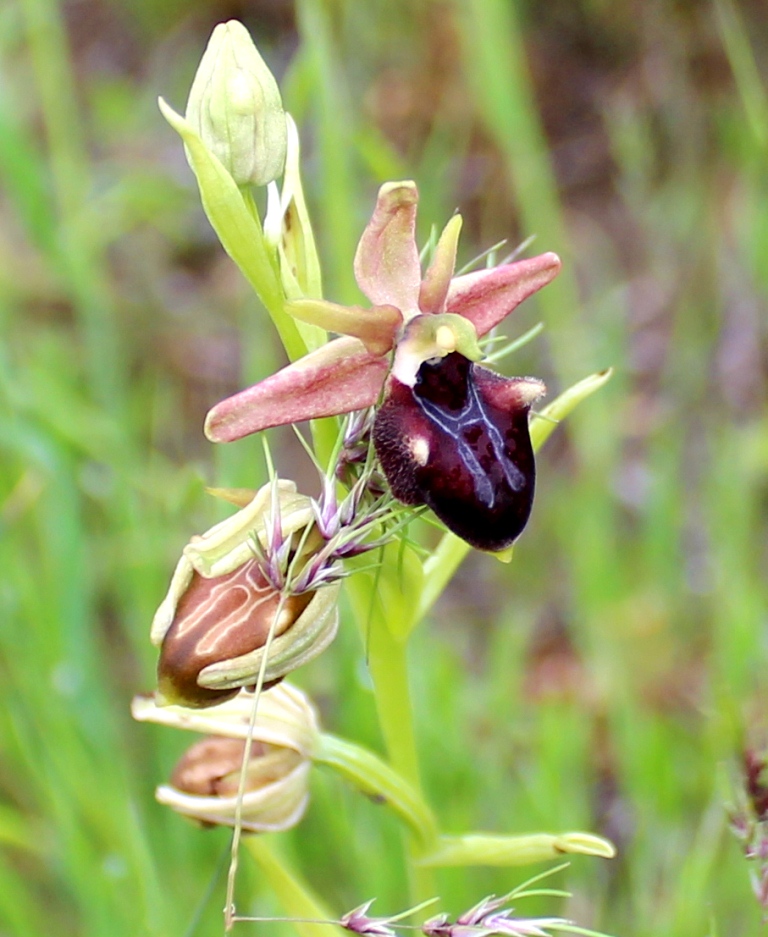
x=419, y=449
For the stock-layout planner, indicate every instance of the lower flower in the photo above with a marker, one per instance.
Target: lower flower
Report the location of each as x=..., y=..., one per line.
x=205, y=784
x=213, y=627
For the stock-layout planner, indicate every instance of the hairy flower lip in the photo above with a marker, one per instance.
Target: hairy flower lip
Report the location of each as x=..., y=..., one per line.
x=457, y=440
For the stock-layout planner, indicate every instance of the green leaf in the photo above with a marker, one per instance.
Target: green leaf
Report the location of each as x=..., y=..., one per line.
x=496, y=850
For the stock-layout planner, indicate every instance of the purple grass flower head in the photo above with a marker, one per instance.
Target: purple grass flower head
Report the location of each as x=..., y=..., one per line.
x=358, y=922
x=503, y=924
x=485, y=920
x=448, y=433
x=756, y=782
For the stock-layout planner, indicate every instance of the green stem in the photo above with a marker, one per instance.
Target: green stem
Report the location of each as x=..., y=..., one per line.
x=439, y=569
x=388, y=665
x=294, y=895
x=376, y=778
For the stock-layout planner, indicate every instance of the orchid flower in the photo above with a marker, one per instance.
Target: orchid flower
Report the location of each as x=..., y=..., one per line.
x=448, y=433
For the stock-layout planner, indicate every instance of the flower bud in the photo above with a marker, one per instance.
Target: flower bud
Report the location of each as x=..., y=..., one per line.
x=235, y=107
x=214, y=623
x=205, y=783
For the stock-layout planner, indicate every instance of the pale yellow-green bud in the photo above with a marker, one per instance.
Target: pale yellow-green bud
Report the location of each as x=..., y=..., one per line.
x=235, y=107
x=205, y=783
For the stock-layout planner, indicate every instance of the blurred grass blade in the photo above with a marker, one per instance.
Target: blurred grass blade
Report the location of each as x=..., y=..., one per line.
x=495, y=64
x=294, y=895
x=742, y=61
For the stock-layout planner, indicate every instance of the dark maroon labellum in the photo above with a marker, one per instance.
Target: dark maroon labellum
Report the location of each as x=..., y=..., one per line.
x=458, y=441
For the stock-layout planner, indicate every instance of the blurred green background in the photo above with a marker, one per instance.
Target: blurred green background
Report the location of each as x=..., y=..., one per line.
x=607, y=678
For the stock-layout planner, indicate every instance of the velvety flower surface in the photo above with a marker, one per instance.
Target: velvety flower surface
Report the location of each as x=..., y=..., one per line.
x=458, y=441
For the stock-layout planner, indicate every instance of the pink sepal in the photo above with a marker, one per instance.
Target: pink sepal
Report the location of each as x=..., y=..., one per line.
x=387, y=267
x=486, y=297
x=337, y=378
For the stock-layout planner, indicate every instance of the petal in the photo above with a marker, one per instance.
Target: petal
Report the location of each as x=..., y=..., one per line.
x=387, y=267
x=437, y=279
x=486, y=297
x=286, y=718
x=337, y=378
x=376, y=328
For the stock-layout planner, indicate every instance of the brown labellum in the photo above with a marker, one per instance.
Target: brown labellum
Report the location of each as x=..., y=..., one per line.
x=218, y=619
x=458, y=441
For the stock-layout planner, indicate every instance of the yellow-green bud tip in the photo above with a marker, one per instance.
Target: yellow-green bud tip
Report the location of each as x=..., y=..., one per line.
x=235, y=107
